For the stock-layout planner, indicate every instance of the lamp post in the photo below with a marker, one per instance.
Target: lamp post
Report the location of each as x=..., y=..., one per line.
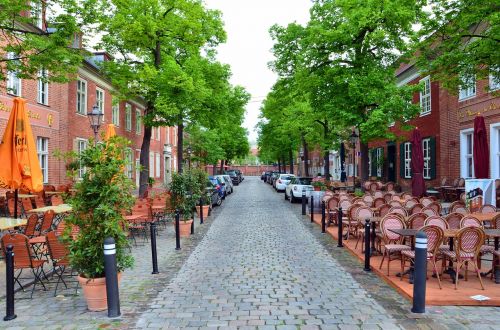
x=354, y=139
x=301, y=153
x=189, y=152
x=95, y=118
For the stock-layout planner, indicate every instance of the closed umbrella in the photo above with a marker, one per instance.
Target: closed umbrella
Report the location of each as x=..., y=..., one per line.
x=110, y=132
x=343, y=176
x=417, y=164
x=20, y=167
x=480, y=151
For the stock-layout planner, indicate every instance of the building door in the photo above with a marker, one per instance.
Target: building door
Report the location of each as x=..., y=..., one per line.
x=137, y=172
x=391, y=162
x=168, y=172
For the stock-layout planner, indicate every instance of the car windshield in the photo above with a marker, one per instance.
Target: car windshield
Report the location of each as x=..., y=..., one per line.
x=231, y=172
x=287, y=177
x=306, y=181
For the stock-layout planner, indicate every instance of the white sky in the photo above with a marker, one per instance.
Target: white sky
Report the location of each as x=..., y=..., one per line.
x=248, y=46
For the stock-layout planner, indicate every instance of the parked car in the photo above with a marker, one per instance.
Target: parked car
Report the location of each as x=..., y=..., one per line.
x=294, y=189
x=272, y=177
x=282, y=181
x=235, y=179
x=228, y=183
x=215, y=198
x=220, y=185
x=240, y=175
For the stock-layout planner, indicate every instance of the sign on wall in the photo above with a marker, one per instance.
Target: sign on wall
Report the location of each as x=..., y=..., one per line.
x=479, y=192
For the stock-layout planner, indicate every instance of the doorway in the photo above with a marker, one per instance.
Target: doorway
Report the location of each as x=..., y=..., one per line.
x=137, y=172
x=168, y=175
x=391, y=162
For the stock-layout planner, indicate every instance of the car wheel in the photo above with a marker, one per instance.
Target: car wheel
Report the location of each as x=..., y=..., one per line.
x=286, y=197
x=292, y=198
x=219, y=201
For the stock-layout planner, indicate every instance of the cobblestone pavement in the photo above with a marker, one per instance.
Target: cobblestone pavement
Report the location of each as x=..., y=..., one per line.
x=137, y=289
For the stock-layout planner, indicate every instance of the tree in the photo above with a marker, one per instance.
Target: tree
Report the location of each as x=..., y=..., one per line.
x=163, y=53
x=29, y=44
x=460, y=38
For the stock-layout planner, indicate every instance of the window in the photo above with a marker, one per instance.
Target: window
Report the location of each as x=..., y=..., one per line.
x=99, y=99
x=425, y=96
x=158, y=133
x=151, y=165
x=167, y=136
x=13, y=81
x=157, y=170
x=81, y=145
x=466, y=159
x=494, y=79
x=379, y=154
x=370, y=160
x=138, y=121
x=129, y=170
x=468, y=88
x=426, y=147
x=42, y=150
x=43, y=87
x=37, y=14
x=81, y=97
x=495, y=150
x=407, y=160
x=128, y=117
x=115, y=114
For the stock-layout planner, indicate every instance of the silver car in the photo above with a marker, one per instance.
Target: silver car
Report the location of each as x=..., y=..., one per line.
x=227, y=181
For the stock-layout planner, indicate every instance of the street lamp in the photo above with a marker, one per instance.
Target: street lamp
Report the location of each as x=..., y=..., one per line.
x=189, y=152
x=354, y=139
x=95, y=118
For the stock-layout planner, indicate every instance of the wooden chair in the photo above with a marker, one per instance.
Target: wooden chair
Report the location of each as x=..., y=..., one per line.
x=425, y=201
x=38, y=240
x=58, y=252
x=24, y=259
x=417, y=220
x=351, y=222
x=49, y=187
x=56, y=200
x=435, y=236
x=39, y=200
x=467, y=247
x=26, y=205
x=31, y=224
x=470, y=221
x=392, y=242
x=406, y=196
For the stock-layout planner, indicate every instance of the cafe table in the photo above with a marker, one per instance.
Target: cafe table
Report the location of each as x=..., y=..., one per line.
x=485, y=217
x=60, y=211
x=51, y=193
x=25, y=195
x=11, y=223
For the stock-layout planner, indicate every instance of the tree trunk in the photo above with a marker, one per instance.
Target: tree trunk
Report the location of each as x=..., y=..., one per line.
x=279, y=165
x=284, y=165
x=144, y=157
x=222, y=166
x=214, y=169
x=290, y=157
x=364, y=162
x=326, y=164
x=180, y=144
x=306, y=156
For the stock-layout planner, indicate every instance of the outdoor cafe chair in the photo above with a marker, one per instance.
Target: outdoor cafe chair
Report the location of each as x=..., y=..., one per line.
x=435, y=236
x=377, y=202
x=351, y=223
x=392, y=242
x=58, y=252
x=471, y=221
x=425, y=201
x=396, y=198
x=399, y=210
x=387, y=197
x=436, y=220
x=455, y=205
x=429, y=211
x=417, y=220
x=406, y=196
x=332, y=206
x=467, y=246
x=395, y=203
x=24, y=259
x=487, y=208
x=39, y=200
x=38, y=240
x=27, y=205
x=378, y=194
x=368, y=199
x=436, y=206
x=383, y=210
x=362, y=213
x=410, y=203
x=389, y=186
x=11, y=206
x=417, y=208
x=454, y=219
x=31, y=224
x=56, y=200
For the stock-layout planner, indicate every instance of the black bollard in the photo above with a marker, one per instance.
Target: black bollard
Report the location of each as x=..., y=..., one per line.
x=112, y=293
x=192, y=226
x=177, y=231
x=367, y=246
x=303, y=202
x=312, y=208
x=420, y=269
x=201, y=211
x=154, y=254
x=340, y=228
x=323, y=216
x=9, y=281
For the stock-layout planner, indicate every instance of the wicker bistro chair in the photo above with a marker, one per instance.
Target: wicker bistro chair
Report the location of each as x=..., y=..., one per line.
x=471, y=221
x=24, y=259
x=410, y=203
x=362, y=214
x=437, y=221
x=417, y=208
x=368, y=199
x=378, y=194
x=435, y=236
x=425, y=201
x=351, y=222
x=488, y=209
x=467, y=247
x=456, y=204
x=454, y=219
x=331, y=209
x=399, y=210
x=383, y=210
x=59, y=253
x=417, y=220
x=389, y=186
x=392, y=242
x=429, y=211
x=406, y=196
x=387, y=197
x=377, y=202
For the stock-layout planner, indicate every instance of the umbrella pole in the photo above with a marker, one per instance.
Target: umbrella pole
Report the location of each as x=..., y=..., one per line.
x=15, y=203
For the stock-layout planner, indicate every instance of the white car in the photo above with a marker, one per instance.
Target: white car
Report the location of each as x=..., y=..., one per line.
x=293, y=191
x=282, y=181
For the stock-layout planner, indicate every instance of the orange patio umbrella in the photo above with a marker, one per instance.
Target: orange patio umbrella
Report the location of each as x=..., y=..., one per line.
x=20, y=167
x=110, y=132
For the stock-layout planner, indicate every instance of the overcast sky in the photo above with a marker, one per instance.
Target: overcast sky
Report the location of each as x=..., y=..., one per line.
x=248, y=45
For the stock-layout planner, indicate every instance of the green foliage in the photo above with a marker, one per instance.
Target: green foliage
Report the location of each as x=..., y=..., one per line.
x=457, y=38
x=98, y=203
x=35, y=49
x=185, y=188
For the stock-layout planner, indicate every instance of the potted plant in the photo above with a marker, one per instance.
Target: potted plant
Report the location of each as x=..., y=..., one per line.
x=97, y=203
x=201, y=178
x=151, y=182
x=185, y=195
x=318, y=184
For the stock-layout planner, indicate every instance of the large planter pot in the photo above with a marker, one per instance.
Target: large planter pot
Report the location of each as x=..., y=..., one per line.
x=317, y=188
x=94, y=291
x=185, y=228
x=206, y=208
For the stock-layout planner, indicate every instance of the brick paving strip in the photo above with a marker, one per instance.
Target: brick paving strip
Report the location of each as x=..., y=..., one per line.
x=137, y=289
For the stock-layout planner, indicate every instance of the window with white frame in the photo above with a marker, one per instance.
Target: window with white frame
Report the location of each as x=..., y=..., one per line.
x=379, y=154
x=370, y=160
x=495, y=151
x=167, y=135
x=407, y=158
x=99, y=99
x=42, y=150
x=157, y=164
x=37, y=14
x=129, y=169
x=466, y=153
x=151, y=165
x=138, y=121
x=158, y=133
x=115, y=113
x=468, y=87
x=494, y=78
x=81, y=97
x=425, y=96
x=81, y=145
x=128, y=117
x=13, y=81
x=43, y=87
x=426, y=147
